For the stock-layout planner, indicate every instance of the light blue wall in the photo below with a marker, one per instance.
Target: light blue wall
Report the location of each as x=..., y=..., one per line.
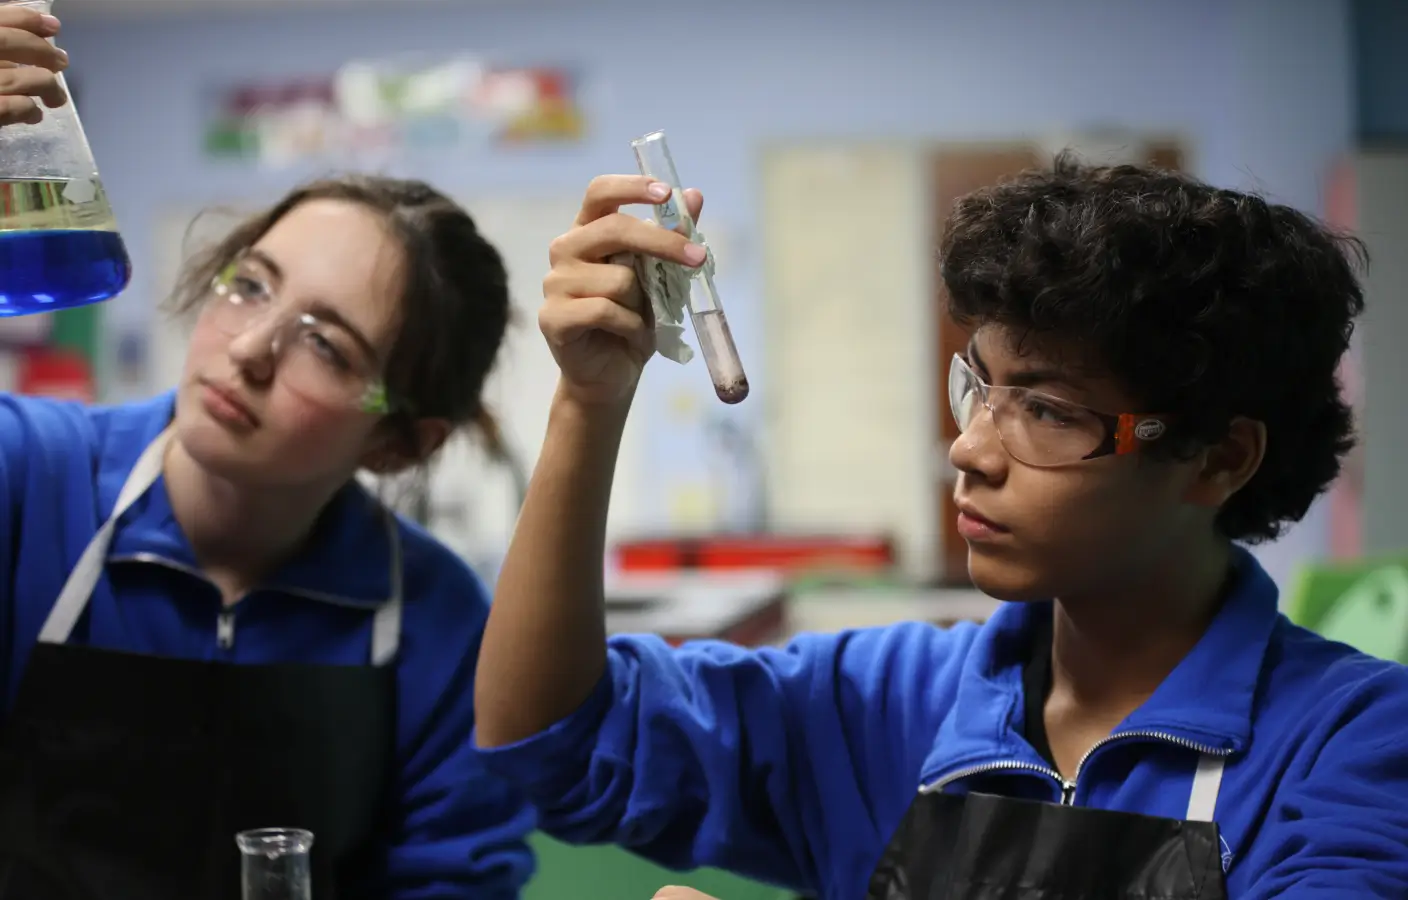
x=1260, y=88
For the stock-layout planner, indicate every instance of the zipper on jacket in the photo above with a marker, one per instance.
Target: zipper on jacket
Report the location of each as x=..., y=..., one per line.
x=1068, y=788
x=224, y=620
x=225, y=629
x=1002, y=765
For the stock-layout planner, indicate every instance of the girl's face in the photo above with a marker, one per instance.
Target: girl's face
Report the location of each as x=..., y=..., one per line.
x=286, y=353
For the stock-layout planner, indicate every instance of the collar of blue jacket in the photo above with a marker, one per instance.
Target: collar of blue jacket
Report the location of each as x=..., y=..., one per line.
x=348, y=560
x=1224, y=666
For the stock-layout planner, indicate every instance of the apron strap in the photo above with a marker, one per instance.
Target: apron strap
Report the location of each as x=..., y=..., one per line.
x=73, y=599
x=1207, y=781
x=386, y=624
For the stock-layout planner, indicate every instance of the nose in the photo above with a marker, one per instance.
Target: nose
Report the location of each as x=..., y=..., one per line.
x=254, y=351
x=978, y=452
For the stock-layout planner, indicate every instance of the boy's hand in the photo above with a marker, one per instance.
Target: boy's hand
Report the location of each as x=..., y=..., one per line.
x=673, y=892
x=594, y=315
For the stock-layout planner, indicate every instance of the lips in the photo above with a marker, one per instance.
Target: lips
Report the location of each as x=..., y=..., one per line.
x=971, y=513
x=227, y=405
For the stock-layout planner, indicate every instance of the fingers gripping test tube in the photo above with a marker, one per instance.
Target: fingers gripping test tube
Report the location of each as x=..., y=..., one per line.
x=705, y=311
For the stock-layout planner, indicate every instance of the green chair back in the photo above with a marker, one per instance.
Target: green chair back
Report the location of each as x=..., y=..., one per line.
x=1363, y=604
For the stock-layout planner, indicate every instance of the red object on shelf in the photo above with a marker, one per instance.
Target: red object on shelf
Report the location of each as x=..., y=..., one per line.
x=58, y=373
x=779, y=552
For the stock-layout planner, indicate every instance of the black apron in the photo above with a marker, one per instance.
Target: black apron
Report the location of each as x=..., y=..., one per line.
x=127, y=776
x=983, y=847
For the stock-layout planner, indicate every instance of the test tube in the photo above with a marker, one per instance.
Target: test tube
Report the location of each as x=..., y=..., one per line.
x=274, y=864
x=705, y=311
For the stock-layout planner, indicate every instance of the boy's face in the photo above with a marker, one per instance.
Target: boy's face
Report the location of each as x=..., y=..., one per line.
x=1064, y=531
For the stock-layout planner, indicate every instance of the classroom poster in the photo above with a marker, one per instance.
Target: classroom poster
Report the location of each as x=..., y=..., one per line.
x=378, y=109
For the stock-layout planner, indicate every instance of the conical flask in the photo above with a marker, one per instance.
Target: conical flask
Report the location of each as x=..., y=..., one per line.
x=59, y=243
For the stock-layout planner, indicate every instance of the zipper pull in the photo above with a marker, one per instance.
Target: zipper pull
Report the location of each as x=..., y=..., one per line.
x=225, y=629
x=1068, y=793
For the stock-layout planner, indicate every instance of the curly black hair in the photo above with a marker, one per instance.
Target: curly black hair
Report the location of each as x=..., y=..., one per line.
x=1206, y=303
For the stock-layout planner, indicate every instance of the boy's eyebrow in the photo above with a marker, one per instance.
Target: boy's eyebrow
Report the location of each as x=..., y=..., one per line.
x=1033, y=377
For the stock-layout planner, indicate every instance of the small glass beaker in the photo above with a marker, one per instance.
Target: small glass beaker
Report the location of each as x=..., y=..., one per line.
x=275, y=864
x=59, y=243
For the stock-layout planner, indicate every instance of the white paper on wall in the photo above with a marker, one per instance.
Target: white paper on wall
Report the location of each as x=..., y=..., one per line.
x=849, y=335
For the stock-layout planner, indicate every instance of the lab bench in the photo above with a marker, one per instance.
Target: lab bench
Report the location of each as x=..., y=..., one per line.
x=743, y=607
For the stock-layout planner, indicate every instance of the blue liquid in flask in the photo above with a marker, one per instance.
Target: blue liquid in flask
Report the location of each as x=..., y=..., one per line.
x=59, y=246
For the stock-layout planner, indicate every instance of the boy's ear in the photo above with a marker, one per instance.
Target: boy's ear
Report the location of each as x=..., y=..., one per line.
x=1229, y=464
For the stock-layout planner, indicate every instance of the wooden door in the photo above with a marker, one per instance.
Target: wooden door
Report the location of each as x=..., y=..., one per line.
x=956, y=171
